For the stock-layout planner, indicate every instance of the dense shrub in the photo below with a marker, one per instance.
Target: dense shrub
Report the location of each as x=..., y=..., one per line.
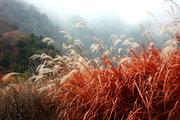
x=22, y=102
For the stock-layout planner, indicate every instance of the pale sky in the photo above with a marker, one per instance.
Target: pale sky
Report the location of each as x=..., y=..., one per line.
x=132, y=11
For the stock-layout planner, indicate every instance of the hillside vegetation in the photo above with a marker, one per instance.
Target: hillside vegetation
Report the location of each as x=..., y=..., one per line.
x=22, y=27
x=28, y=18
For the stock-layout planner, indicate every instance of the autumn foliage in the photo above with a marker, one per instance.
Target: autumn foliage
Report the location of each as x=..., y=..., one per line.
x=147, y=86
x=143, y=84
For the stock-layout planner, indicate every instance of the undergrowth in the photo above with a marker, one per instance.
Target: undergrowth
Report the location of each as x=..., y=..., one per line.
x=22, y=102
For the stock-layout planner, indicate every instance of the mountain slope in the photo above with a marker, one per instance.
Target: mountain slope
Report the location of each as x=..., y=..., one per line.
x=28, y=18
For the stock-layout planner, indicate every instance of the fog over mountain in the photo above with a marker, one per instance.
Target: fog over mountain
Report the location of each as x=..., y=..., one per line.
x=47, y=17
x=104, y=18
x=90, y=10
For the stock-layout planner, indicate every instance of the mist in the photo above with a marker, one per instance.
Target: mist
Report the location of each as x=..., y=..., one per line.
x=104, y=18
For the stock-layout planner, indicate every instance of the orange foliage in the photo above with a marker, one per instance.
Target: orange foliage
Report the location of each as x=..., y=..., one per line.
x=147, y=87
x=12, y=34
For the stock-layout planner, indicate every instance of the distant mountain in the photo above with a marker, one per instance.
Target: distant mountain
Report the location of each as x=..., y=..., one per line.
x=28, y=19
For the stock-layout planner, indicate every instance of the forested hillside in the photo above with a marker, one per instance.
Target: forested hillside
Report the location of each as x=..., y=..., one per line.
x=16, y=49
x=22, y=27
x=28, y=18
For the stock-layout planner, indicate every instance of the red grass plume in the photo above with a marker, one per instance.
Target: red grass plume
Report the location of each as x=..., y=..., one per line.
x=147, y=86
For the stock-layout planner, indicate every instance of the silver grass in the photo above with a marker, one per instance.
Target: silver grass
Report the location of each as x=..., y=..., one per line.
x=66, y=59
x=95, y=47
x=171, y=42
x=107, y=53
x=119, y=50
x=117, y=41
x=46, y=39
x=134, y=45
x=80, y=24
x=151, y=44
x=78, y=41
x=123, y=36
x=81, y=59
x=41, y=66
x=35, y=56
x=113, y=36
x=176, y=29
x=70, y=46
x=49, y=40
x=112, y=48
x=123, y=60
x=167, y=51
x=46, y=87
x=36, y=78
x=114, y=59
x=64, y=32
x=57, y=68
x=165, y=28
x=44, y=71
x=97, y=60
x=10, y=86
x=9, y=75
x=51, y=62
x=170, y=46
x=58, y=58
x=45, y=56
x=128, y=42
x=68, y=76
x=73, y=52
x=42, y=56
x=64, y=46
x=77, y=44
x=71, y=65
x=66, y=35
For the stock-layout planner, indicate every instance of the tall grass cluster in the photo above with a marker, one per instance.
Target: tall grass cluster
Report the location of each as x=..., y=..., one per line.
x=143, y=84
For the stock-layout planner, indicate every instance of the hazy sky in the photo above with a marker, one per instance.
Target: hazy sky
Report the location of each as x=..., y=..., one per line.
x=108, y=16
x=131, y=11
